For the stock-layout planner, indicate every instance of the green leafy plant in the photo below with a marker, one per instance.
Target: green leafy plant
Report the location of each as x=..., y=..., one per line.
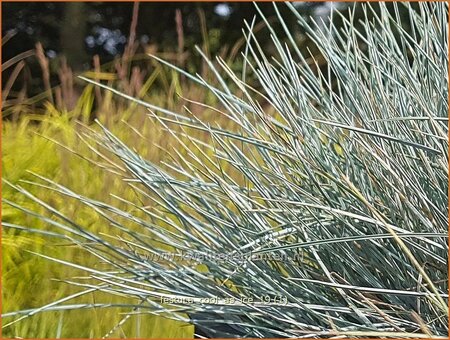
x=319, y=211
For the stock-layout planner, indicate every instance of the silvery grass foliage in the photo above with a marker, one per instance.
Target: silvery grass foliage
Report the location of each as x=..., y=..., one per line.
x=344, y=190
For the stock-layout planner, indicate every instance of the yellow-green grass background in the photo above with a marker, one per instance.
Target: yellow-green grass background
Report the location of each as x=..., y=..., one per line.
x=28, y=280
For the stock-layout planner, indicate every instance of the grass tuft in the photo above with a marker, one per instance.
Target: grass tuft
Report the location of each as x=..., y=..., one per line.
x=334, y=167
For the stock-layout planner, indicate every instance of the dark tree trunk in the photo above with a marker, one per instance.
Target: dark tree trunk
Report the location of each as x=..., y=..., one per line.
x=73, y=32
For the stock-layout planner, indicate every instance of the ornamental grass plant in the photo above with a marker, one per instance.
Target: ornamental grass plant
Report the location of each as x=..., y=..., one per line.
x=333, y=166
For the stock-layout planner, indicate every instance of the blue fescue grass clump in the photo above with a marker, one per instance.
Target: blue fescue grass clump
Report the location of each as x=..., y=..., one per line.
x=334, y=166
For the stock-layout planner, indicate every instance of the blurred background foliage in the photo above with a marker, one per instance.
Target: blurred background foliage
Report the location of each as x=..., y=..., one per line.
x=82, y=34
